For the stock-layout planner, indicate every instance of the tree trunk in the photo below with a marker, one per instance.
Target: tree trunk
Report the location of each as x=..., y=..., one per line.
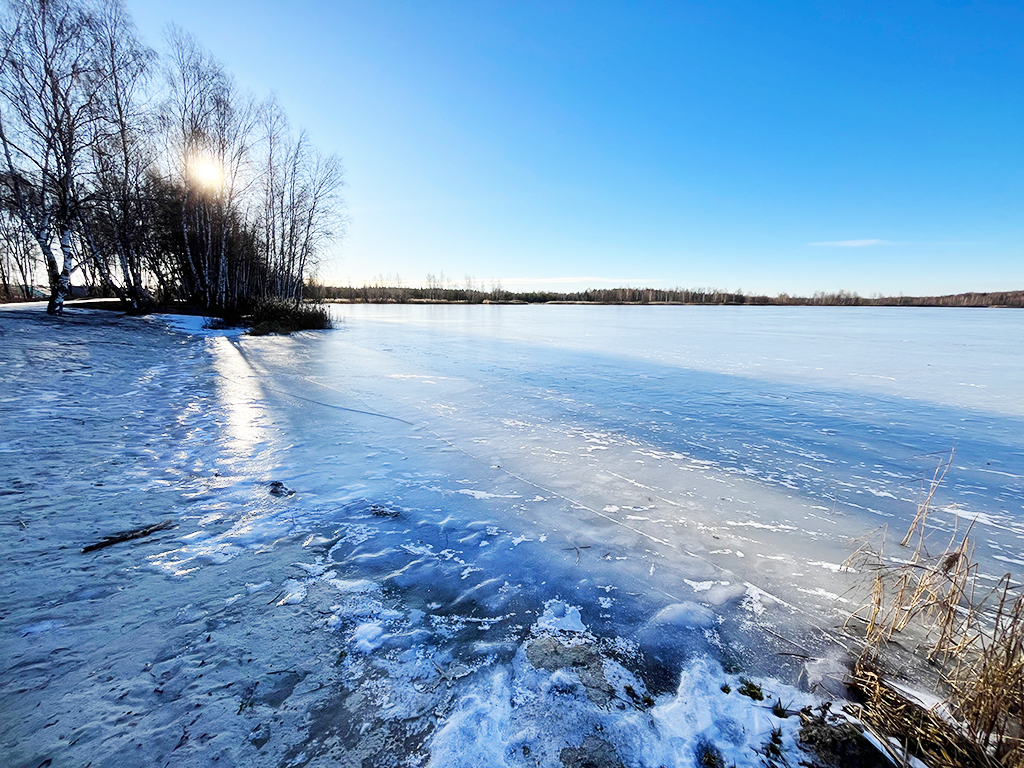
x=60, y=285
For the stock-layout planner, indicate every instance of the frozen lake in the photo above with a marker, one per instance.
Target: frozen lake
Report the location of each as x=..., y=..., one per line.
x=830, y=420
x=529, y=535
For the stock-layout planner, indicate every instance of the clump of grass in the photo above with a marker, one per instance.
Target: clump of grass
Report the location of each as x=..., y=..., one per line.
x=221, y=323
x=837, y=741
x=751, y=689
x=772, y=750
x=922, y=731
x=283, y=317
x=709, y=756
x=972, y=635
x=780, y=710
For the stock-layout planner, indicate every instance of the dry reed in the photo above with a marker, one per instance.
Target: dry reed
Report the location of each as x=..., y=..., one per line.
x=972, y=635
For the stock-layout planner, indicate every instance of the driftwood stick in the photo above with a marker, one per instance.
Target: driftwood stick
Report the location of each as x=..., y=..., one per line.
x=134, y=533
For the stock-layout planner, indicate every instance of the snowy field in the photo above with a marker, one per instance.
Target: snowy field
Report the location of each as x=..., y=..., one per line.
x=500, y=535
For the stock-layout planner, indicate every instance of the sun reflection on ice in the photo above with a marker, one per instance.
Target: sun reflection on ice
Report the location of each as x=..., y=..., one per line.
x=240, y=396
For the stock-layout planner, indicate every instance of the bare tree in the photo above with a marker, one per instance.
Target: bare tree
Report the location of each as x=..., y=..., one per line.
x=49, y=84
x=194, y=79
x=115, y=226
x=321, y=217
x=300, y=206
x=17, y=265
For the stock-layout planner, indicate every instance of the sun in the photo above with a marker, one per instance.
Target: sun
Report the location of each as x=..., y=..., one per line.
x=205, y=171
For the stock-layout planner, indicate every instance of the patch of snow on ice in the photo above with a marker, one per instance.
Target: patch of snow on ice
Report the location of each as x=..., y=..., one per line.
x=195, y=325
x=1011, y=560
x=525, y=711
x=834, y=567
x=752, y=601
x=368, y=637
x=883, y=494
x=313, y=569
x=486, y=495
x=353, y=586
x=978, y=517
x=704, y=586
x=762, y=526
x=294, y=592
x=559, y=615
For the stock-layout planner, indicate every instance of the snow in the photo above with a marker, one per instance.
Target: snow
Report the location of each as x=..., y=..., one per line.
x=194, y=325
x=558, y=615
x=368, y=637
x=503, y=533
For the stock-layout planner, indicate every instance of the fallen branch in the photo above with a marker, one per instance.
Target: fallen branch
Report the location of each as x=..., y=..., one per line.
x=134, y=533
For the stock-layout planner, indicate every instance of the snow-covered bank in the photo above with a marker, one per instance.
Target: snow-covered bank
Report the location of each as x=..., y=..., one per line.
x=108, y=424
x=476, y=552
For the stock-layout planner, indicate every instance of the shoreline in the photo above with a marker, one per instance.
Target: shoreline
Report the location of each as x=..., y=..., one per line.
x=495, y=302
x=398, y=296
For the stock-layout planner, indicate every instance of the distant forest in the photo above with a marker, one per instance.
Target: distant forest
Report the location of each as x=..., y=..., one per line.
x=472, y=294
x=151, y=175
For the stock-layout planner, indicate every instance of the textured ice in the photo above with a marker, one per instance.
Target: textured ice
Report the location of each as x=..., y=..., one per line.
x=686, y=615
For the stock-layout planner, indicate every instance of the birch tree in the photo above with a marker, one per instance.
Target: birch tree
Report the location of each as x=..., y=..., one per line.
x=117, y=224
x=300, y=204
x=194, y=81
x=17, y=263
x=49, y=80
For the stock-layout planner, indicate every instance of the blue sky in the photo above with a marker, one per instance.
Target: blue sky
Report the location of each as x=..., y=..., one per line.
x=760, y=146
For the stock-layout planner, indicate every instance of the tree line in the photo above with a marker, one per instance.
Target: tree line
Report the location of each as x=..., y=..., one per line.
x=152, y=175
x=474, y=293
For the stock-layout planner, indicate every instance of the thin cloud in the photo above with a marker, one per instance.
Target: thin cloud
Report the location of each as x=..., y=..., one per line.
x=852, y=243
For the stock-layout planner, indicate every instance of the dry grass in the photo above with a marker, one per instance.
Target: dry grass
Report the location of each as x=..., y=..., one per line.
x=284, y=317
x=972, y=635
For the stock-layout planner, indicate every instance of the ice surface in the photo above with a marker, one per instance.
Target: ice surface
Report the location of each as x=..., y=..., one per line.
x=517, y=535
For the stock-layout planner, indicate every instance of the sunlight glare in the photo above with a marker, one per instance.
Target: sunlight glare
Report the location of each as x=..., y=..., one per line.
x=205, y=171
